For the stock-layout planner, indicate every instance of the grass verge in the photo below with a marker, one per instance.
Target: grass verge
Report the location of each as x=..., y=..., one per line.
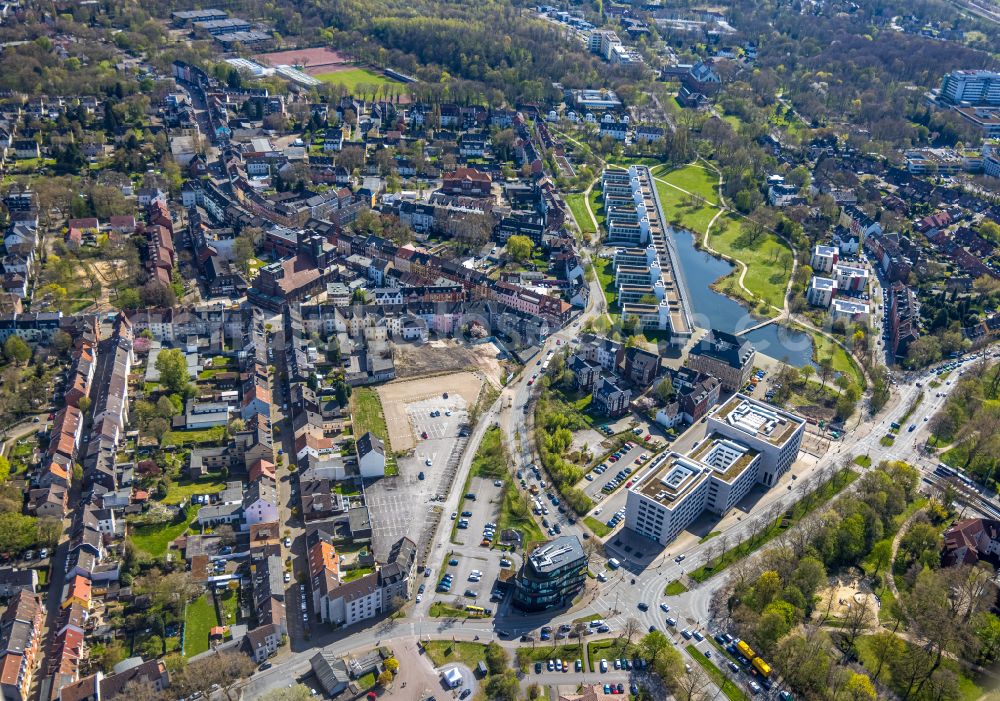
x=725, y=684
x=600, y=529
x=675, y=588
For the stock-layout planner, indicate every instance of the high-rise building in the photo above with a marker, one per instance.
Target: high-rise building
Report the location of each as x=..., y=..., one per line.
x=973, y=87
x=551, y=575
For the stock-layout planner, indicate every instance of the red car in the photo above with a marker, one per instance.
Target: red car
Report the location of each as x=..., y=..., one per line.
x=424, y=435
x=648, y=438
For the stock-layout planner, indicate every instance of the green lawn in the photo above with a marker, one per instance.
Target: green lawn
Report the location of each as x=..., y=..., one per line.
x=675, y=588
x=353, y=77
x=679, y=211
x=801, y=509
x=357, y=573
x=442, y=652
x=367, y=682
x=198, y=623
x=194, y=437
x=183, y=491
x=727, y=685
x=366, y=412
x=600, y=529
x=863, y=461
x=229, y=600
x=154, y=540
x=606, y=275
x=823, y=347
x=886, y=441
x=693, y=179
x=578, y=205
x=609, y=649
x=597, y=206
x=767, y=276
x=515, y=513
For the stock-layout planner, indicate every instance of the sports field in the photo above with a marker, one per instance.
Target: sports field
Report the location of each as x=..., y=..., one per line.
x=351, y=78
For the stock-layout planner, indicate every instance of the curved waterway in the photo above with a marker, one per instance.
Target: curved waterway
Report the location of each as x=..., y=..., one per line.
x=712, y=309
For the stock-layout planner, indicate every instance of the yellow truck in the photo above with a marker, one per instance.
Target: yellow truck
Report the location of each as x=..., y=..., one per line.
x=763, y=667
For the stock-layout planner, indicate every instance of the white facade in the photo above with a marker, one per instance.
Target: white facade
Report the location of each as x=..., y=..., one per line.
x=850, y=310
x=821, y=290
x=684, y=486
x=775, y=434
x=823, y=259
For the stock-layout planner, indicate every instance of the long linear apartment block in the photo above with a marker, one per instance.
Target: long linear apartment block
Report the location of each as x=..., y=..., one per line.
x=646, y=265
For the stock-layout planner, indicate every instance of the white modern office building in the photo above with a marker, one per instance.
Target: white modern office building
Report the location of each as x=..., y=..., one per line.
x=748, y=443
x=775, y=434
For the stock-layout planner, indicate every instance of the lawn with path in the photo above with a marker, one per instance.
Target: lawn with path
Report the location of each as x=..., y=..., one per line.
x=691, y=178
x=824, y=347
x=823, y=494
x=767, y=274
x=577, y=202
x=604, y=269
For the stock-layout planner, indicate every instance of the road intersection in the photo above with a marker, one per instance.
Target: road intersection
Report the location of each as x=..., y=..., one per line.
x=617, y=599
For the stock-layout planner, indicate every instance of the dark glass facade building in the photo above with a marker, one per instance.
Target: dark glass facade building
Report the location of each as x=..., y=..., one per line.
x=551, y=575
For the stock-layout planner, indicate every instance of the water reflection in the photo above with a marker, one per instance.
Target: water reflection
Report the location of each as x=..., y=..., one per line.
x=712, y=309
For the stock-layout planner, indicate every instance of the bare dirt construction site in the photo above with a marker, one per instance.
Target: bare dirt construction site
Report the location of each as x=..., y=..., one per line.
x=842, y=597
x=463, y=391
x=440, y=356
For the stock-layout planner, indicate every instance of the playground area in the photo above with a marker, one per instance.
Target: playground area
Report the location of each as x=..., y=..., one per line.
x=844, y=596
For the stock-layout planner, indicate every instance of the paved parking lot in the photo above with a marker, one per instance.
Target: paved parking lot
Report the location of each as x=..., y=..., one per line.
x=405, y=504
x=628, y=457
x=488, y=564
x=485, y=509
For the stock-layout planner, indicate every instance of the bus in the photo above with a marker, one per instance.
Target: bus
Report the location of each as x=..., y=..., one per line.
x=763, y=667
x=477, y=611
x=745, y=650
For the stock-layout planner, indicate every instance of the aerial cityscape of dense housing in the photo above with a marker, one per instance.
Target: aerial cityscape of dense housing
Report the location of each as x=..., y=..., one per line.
x=499, y=351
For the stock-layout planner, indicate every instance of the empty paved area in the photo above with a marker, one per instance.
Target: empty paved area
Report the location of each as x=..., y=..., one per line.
x=462, y=389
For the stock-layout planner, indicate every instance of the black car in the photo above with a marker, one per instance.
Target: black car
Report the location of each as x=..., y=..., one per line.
x=652, y=629
x=465, y=693
x=643, y=606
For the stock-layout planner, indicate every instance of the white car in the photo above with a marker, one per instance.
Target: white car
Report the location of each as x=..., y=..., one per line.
x=288, y=542
x=428, y=462
x=419, y=598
